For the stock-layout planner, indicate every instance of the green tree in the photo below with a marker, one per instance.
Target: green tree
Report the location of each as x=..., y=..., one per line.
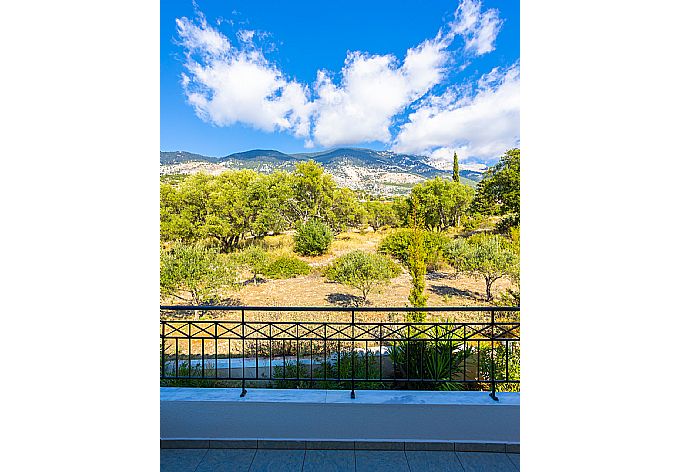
x=267, y=197
x=312, y=192
x=402, y=206
x=486, y=256
x=456, y=168
x=456, y=252
x=498, y=193
x=313, y=238
x=255, y=258
x=416, y=264
x=192, y=272
x=380, y=214
x=183, y=208
x=399, y=242
x=228, y=216
x=345, y=211
x=441, y=203
x=362, y=271
x=204, y=207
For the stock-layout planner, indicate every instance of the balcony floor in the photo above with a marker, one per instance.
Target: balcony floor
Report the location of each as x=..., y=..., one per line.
x=277, y=460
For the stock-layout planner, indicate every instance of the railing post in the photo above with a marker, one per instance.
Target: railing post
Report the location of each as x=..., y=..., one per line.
x=244, y=390
x=493, y=360
x=163, y=350
x=352, y=393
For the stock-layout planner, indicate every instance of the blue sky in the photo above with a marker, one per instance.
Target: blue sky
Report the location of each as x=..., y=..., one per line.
x=417, y=77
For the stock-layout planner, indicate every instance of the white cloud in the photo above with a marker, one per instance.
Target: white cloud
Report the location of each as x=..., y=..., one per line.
x=246, y=36
x=482, y=126
x=479, y=29
x=373, y=90
x=227, y=85
x=230, y=83
x=202, y=38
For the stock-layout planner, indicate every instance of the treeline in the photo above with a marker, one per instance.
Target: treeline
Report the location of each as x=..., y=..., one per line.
x=228, y=208
x=205, y=216
x=235, y=205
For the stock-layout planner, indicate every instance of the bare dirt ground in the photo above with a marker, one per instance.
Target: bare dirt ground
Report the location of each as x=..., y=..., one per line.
x=314, y=290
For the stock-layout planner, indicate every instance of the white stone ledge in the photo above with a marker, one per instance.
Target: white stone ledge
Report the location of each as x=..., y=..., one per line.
x=331, y=415
x=363, y=397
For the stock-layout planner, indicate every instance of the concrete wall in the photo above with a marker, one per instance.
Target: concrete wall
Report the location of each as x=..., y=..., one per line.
x=202, y=413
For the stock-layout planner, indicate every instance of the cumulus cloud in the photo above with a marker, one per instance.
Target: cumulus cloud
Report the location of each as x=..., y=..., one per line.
x=230, y=83
x=373, y=90
x=482, y=125
x=479, y=29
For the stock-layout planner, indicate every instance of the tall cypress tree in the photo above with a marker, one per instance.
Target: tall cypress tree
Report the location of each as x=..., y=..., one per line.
x=417, y=265
x=456, y=170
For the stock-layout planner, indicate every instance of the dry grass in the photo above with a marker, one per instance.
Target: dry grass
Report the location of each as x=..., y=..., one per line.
x=314, y=290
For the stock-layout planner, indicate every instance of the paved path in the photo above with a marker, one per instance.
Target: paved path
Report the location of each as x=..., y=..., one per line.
x=277, y=460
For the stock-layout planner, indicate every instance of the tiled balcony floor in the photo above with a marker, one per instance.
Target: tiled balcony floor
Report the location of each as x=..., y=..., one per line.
x=277, y=460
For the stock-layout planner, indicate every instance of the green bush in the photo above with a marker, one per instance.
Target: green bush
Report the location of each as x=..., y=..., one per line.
x=285, y=267
x=484, y=256
x=433, y=245
x=397, y=244
x=254, y=258
x=440, y=360
x=364, y=367
x=500, y=354
x=507, y=223
x=313, y=238
x=193, y=377
x=194, y=273
x=362, y=271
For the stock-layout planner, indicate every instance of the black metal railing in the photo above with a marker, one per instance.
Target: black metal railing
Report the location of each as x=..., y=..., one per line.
x=479, y=352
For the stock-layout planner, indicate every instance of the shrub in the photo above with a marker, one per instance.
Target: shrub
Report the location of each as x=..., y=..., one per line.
x=507, y=223
x=255, y=258
x=397, y=244
x=285, y=267
x=486, y=256
x=441, y=360
x=313, y=238
x=338, y=365
x=380, y=214
x=433, y=246
x=501, y=354
x=362, y=271
x=455, y=252
x=192, y=272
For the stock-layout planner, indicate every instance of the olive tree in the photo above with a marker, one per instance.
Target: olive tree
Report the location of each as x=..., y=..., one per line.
x=255, y=259
x=441, y=203
x=362, y=271
x=380, y=214
x=484, y=256
x=194, y=273
x=312, y=192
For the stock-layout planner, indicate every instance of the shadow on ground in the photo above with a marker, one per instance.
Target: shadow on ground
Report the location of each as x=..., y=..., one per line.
x=257, y=281
x=445, y=290
x=343, y=299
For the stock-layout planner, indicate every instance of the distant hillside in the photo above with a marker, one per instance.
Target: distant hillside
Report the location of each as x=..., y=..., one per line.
x=180, y=157
x=378, y=172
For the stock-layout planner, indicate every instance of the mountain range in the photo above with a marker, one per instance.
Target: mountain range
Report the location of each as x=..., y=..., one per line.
x=377, y=172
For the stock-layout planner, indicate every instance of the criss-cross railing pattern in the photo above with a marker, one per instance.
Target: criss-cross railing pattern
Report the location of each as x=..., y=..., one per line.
x=482, y=354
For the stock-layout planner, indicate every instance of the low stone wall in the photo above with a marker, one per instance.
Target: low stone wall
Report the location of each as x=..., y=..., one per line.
x=201, y=415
